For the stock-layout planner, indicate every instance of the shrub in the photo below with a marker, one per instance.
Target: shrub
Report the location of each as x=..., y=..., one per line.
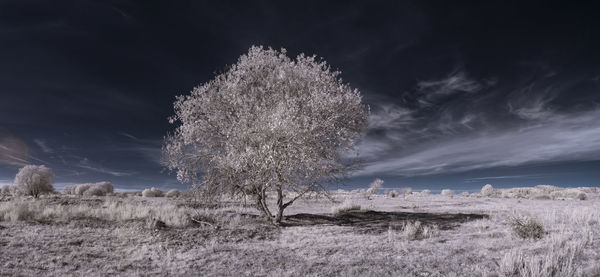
x=95, y=191
x=487, y=190
x=392, y=194
x=406, y=191
x=9, y=190
x=375, y=186
x=415, y=230
x=344, y=207
x=90, y=189
x=527, y=227
x=153, y=192
x=70, y=189
x=107, y=187
x=16, y=211
x=173, y=193
x=426, y=192
x=448, y=192
x=80, y=189
x=34, y=180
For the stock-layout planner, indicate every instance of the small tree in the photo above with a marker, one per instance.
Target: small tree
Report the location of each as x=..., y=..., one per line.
x=34, y=180
x=376, y=185
x=268, y=124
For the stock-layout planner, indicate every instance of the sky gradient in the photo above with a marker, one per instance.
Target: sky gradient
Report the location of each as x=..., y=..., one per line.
x=461, y=93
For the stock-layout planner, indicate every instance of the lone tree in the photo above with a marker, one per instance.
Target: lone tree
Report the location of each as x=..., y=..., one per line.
x=268, y=124
x=34, y=180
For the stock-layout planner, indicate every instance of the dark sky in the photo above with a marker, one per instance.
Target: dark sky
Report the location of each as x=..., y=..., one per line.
x=462, y=93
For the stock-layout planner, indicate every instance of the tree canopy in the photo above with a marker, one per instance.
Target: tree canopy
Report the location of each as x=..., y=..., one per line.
x=268, y=124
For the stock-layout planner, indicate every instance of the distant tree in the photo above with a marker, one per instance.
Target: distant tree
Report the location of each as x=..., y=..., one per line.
x=34, y=180
x=376, y=185
x=268, y=124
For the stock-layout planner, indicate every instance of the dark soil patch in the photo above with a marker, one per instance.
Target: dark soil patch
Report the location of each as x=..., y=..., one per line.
x=376, y=221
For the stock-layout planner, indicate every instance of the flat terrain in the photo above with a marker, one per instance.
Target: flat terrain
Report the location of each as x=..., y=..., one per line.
x=411, y=235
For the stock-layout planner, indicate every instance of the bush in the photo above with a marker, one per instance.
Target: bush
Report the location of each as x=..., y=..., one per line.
x=34, y=180
x=107, y=187
x=80, y=189
x=415, y=231
x=173, y=193
x=153, y=192
x=344, y=207
x=487, y=190
x=94, y=191
x=16, y=211
x=426, y=192
x=375, y=186
x=406, y=191
x=8, y=189
x=448, y=192
x=69, y=189
x=89, y=189
x=392, y=194
x=527, y=227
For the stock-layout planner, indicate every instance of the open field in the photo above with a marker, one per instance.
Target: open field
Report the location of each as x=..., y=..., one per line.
x=368, y=235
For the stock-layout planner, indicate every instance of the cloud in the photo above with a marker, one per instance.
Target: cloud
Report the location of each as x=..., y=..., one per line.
x=85, y=163
x=572, y=137
x=42, y=144
x=389, y=116
x=14, y=151
x=456, y=82
x=531, y=103
x=528, y=176
x=128, y=135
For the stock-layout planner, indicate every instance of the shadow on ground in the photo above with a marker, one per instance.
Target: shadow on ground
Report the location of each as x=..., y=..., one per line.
x=376, y=221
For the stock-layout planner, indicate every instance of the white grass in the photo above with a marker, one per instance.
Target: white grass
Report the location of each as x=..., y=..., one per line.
x=111, y=235
x=347, y=205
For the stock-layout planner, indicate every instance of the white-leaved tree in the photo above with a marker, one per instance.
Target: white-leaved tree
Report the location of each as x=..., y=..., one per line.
x=34, y=180
x=268, y=124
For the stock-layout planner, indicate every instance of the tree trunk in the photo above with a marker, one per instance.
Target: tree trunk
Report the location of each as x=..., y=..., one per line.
x=261, y=202
x=280, y=206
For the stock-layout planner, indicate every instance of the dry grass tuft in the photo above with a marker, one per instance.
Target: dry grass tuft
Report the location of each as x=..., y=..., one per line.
x=414, y=230
x=346, y=206
x=527, y=227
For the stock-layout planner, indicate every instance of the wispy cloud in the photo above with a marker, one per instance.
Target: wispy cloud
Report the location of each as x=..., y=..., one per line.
x=456, y=82
x=389, y=116
x=531, y=102
x=573, y=137
x=14, y=151
x=85, y=163
x=128, y=135
x=43, y=144
x=528, y=176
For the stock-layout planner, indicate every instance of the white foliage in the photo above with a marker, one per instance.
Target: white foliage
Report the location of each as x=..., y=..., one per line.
x=173, y=193
x=269, y=123
x=90, y=189
x=448, y=192
x=487, y=190
x=153, y=192
x=375, y=186
x=80, y=189
x=9, y=189
x=34, y=180
x=407, y=191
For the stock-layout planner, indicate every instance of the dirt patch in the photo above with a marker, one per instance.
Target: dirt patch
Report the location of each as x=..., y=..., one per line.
x=376, y=221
